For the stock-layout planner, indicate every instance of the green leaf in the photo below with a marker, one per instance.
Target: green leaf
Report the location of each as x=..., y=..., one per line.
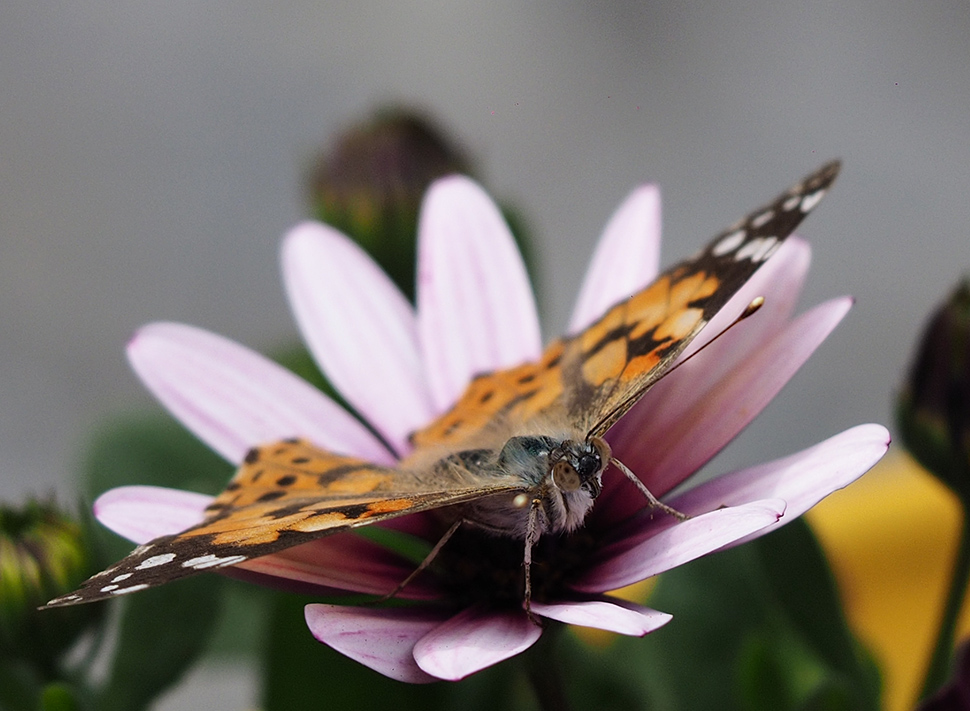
x=161, y=634
x=799, y=577
x=776, y=670
x=151, y=448
x=20, y=685
x=691, y=663
x=241, y=629
x=832, y=695
x=605, y=678
x=58, y=696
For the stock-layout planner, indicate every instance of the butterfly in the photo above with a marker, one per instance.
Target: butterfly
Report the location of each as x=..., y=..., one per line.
x=520, y=455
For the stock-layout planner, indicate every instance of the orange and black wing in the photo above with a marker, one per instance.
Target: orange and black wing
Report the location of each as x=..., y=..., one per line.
x=591, y=379
x=285, y=494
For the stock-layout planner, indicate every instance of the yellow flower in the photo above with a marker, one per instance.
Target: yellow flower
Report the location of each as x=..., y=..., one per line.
x=891, y=539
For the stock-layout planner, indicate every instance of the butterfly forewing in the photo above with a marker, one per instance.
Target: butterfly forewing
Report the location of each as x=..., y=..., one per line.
x=647, y=332
x=591, y=379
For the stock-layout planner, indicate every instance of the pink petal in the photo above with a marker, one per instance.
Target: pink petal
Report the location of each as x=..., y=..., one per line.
x=359, y=327
x=476, y=311
x=473, y=640
x=663, y=544
x=233, y=398
x=345, y=561
x=665, y=442
x=802, y=479
x=626, y=258
x=608, y=614
x=143, y=513
x=382, y=639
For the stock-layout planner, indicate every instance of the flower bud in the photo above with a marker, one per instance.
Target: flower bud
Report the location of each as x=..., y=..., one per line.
x=43, y=554
x=370, y=183
x=933, y=410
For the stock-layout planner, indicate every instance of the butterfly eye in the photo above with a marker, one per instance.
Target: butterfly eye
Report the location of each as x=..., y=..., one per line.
x=588, y=465
x=565, y=476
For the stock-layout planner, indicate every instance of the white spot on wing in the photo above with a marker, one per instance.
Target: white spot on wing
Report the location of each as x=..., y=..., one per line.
x=728, y=243
x=123, y=576
x=762, y=219
x=155, y=560
x=130, y=589
x=110, y=588
x=757, y=249
x=211, y=561
x=810, y=201
x=791, y=203
x=65, y=599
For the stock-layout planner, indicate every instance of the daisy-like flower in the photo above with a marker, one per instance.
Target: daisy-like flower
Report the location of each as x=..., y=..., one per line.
x=400, y=367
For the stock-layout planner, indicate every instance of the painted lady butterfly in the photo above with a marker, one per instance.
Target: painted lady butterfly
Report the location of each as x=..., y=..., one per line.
x=521, y=454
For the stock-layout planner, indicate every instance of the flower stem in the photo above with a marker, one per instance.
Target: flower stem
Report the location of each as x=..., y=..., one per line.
x=545, y=673
x=939, y=667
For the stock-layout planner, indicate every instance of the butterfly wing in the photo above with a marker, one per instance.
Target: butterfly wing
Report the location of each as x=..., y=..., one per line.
x=613, y=362
x=285, y=494
x=591, y=379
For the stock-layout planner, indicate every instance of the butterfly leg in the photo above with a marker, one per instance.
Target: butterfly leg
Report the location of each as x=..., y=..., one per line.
x=428, y=559
x=653, y=500
x=531, y=538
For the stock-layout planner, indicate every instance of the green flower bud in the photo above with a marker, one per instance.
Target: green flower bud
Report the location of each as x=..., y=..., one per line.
x=370, y=183
x=43, y=554
x=933, y=410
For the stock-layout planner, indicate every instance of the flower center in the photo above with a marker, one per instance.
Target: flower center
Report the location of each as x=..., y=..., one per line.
x=475, y=566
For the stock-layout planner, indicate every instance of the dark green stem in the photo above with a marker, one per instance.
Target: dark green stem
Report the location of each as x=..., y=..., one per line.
x=939, y=668
x=545, y=672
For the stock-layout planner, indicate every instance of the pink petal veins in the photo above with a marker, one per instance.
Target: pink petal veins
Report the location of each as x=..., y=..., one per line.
x=802, y=479
x=345, y=561
x=473, y=640
x=233, y=398
x=359, y=327
x=608, y=614
x=661, y=543
x=143, y=513
x=382, y=639
x=626, y=258
x=476, y=311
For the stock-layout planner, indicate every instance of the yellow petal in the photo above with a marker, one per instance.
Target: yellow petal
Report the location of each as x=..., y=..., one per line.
x=891, y=538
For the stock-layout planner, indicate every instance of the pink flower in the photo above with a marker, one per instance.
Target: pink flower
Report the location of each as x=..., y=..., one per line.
x=400, y=367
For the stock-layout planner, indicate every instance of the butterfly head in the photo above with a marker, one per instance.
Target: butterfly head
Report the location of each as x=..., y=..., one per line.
x=560, y=477
x=578, y=465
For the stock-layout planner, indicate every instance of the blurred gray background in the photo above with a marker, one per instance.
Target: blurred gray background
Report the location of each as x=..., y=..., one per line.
x=151, y=155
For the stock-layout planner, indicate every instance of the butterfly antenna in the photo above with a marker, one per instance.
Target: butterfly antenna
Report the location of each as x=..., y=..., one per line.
x=611, y=417
x=749, y=310
x=755, y=304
